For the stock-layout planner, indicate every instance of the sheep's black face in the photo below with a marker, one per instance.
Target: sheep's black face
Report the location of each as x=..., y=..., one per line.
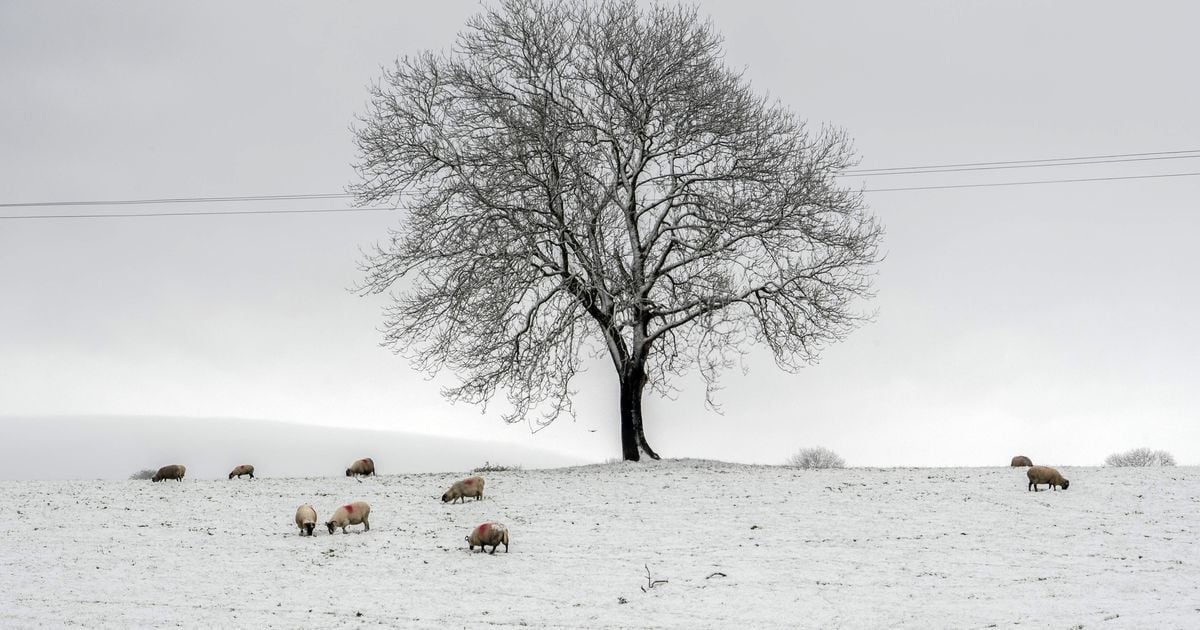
x=331, y=526
x=348, y=473
x=1065, y=484
x=309, y=527
x=445, y=497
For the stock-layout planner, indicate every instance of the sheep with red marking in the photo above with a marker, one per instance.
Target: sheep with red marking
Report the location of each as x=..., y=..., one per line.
x=489, y=533
x=469, y=487
x=306, y=519
x=244, y=469
x=350, y=514
x=1046, y=475
x=174, y=471
x=363, y=467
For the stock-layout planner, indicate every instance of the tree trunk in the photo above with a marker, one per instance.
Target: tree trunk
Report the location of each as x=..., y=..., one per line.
x=642, y=435
x=633, y=435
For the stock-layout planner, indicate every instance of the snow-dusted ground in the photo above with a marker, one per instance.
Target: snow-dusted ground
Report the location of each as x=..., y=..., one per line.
x=857, y=548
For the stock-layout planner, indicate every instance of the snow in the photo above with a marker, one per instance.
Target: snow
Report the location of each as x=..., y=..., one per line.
x=853, y=548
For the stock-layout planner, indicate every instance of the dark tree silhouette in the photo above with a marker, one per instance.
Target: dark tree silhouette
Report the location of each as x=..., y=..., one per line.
x=590, y=178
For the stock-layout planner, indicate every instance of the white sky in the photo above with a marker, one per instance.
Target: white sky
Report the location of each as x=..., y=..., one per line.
x=1055, y=321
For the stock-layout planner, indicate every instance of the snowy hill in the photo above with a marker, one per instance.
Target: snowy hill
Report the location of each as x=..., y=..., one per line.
x=114, y=448
x=736, y=547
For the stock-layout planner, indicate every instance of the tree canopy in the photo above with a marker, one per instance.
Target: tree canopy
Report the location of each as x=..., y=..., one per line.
x=591, y=178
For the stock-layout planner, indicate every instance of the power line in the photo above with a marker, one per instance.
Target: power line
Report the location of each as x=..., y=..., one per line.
x=901, y=170
x=1031, y=183
x=137, y=215
x=869, y=172
x=1063, y=159
x=130, y=202
x=207, y=213
x=1011, y=166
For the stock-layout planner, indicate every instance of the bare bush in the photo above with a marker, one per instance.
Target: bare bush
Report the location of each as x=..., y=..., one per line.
x=1140, y=457
x=490, y=467
x=145, y=473
x=816, y=457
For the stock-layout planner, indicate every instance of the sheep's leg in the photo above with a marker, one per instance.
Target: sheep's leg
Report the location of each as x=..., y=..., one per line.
x=493, y=551
x=366, y=525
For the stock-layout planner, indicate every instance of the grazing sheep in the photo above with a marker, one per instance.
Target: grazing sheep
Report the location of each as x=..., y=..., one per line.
x=306, y=519
x=488, y=534
x=350, y=514
x=1046, y=475
x=469, y=487
x=174, y=471
x=364, y=467
x=244, y=469
x=1021, y=460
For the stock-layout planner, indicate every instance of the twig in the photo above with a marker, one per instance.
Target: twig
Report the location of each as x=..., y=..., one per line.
x=651, y=583
x=715, y=574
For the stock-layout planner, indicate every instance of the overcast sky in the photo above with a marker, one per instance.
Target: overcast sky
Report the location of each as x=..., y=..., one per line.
x=1057, y=321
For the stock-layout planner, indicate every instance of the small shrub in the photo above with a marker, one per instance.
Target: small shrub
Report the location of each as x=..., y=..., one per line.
x=816, y=457
x=490, y=467
x=1140, y=457
x=145, y=473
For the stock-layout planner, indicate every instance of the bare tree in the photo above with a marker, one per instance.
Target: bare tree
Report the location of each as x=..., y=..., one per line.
x=584, y=179
x=1140, y=457
x=816, y=457
x=145, y=473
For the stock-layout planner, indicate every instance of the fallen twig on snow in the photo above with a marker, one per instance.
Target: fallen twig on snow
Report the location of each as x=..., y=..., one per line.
x=651, y=583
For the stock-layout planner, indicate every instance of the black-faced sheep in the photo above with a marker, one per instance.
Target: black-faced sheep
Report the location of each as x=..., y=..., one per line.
x=244, y=469
x=364, y=467
x=174, y=471
x=1047, y=475
x=1021, y=460
x=306, y=519
x=488, y=534
x=350, y=514
x=469, y=487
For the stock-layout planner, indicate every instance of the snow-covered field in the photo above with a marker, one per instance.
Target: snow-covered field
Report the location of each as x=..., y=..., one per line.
x=738, y=547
